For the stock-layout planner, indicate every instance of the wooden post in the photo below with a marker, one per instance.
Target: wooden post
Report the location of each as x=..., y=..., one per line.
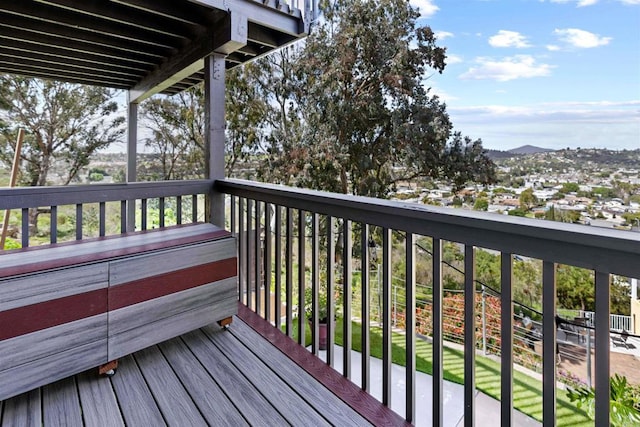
x=12, y=183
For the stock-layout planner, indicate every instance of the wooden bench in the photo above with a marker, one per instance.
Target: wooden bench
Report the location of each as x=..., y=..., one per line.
x=69, y=307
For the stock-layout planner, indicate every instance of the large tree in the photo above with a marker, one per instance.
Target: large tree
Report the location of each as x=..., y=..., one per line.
x=64, y=125
x=353, y=111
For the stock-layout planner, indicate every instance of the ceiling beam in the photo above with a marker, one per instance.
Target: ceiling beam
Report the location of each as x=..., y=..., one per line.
x=226, y=36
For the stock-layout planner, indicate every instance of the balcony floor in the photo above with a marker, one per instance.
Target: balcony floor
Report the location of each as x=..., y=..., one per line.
x=206, y=377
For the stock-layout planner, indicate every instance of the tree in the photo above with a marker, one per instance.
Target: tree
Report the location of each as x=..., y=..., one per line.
x=351, y=112
x=528, y=200
x=481, y=204
x=65, y=125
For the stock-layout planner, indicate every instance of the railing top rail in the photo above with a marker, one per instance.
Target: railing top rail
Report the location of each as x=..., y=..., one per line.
x=605, y=250
x=31, y=197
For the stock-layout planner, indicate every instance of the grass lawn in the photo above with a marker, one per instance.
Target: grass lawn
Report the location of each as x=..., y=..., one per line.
x=527, y=391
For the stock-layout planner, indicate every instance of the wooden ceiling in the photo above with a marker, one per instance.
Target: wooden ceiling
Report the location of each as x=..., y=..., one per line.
x=146, y=46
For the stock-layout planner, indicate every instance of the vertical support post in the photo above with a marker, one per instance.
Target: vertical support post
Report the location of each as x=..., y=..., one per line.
x=364, y=301
x=410, y=326
x=302, y=275
x=331, y=254
x=506, y=338
x=278, y=267
x=346, y=295
x=386, y=317
x=214, y=92
x=132, y=154
x=469, y=336
x=438, y=360
x=549, y=343
x=603, y=390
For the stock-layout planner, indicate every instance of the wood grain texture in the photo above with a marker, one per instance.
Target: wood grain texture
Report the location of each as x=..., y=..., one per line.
x=174, y=402
x=52, y=368
x=36, y=288
x=139, y=267
x=290, y=404
x=99, y=405
x=210, y=399
x=138, y=315
x=26, y=348
x=169, y=283
x=365, y=404
x=60, y=404
x=134, y=397
x=23, y=410
x=255, y=407
x=66, y=254
x=317, y=395
x=167, y=317
x=47, y=314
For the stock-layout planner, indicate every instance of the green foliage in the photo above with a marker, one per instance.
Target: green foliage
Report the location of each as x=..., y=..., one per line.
x=96, y=177
x=624, y=402
x=528, y=200
x=517, y=212
x=481, y=204
x=10, y=243
x=570, y=187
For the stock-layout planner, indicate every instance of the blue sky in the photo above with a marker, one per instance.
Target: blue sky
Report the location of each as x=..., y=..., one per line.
x=551, y=73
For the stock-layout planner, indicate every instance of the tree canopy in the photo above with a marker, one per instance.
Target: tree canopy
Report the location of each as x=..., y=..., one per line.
x=349, y=111
x=63, y=123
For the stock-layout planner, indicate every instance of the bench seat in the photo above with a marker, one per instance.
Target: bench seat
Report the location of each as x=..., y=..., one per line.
x=68, y=307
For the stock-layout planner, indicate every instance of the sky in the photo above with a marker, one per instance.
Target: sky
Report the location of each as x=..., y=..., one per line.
x=549, y=73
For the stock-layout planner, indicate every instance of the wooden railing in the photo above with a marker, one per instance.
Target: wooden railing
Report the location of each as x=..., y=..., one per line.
x=277, y=226
x=131, y=210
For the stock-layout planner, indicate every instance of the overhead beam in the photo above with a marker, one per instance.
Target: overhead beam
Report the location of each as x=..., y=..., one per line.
x=227, y=36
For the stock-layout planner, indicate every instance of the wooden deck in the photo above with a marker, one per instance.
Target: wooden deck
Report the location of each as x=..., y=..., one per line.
x=206, y=377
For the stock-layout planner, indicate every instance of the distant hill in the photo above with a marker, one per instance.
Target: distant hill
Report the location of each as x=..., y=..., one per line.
x=529, y=149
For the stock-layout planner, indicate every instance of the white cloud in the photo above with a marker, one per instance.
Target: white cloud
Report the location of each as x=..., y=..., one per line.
x=553, y=47
x=614, y=125
x=509, y=68
x=506, y=38
x=630, y=2
x=427, y=7
x=581, y=38
x=441, y=35
x=454, y=59
x=579, y=3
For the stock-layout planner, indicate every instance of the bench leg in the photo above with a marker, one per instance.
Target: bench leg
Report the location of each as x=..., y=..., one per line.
x=109, y=368
x=225, y=322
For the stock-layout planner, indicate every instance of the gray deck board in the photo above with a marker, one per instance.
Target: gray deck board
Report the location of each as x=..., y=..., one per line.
x=256, y=408
x=317, y=395
x=98, y=400
x=286, y=400
x=175, y=403
x=134, y=397
x=60, y=404
x=206, y=377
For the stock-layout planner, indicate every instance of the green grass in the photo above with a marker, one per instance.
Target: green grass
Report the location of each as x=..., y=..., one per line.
x=527, y=391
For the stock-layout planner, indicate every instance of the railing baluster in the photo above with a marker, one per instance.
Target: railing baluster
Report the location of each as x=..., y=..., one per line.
x=194, y=208
x=506, y=338
x=179, y=209
x=410, y=326
x=103, y=218
x=315, y=278
x=247, y=254
x=143, y=214
x=469, y=336
x=438, y=359
x=161, y=219
x=267, y=261
x=78, y=221
x=53, y=225
x=364, y=314
x=549, y=349
x=278, y=265
x=331, y=259
x=123, y=216
x=386, y=317
x=603, y=309
x=301, y=275
x=346, y=298
x=258, y=258
x=233, y=221
x=241, y=251
x=25, y=227
x=289, y=273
